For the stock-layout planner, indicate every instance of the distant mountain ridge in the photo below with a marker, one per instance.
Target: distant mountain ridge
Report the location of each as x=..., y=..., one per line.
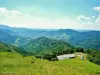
x=85, y=39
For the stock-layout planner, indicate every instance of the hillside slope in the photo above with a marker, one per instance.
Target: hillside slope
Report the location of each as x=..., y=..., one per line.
x=33, y=66
x=8, y=48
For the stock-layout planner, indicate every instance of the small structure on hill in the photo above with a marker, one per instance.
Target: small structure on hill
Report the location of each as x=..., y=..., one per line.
x=65, y=56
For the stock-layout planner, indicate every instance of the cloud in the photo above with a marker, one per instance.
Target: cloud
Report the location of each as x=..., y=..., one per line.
x=4, y=11
x=96, y=8
x=98, y=20
x=82, y=17
x=4, y=14
x=17, y=19
x=88, y=23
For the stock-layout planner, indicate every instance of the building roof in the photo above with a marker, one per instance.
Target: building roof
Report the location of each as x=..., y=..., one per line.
x=65, y=56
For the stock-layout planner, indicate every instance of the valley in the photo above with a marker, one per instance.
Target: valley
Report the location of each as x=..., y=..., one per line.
x=28, y=51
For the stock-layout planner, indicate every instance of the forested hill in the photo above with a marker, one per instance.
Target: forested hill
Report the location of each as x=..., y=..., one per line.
x=44, y=44
x=8, y=48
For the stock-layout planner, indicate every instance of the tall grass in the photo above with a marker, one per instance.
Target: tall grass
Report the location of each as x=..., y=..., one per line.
x=10, y=62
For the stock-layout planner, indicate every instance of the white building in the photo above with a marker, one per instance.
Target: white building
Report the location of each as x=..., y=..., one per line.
x=65, y=56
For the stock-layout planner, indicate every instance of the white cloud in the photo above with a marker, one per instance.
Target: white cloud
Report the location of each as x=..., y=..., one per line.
x=82, y=17
x=4, y=11
x=90, y=23
x=96, y=8
x=98, y=20
x=17, y=19
x=6, y=14
x=87, y=23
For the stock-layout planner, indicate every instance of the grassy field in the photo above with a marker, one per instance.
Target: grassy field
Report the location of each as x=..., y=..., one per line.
x=15, y=64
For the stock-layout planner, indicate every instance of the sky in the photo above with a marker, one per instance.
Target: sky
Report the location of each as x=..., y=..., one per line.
x=51, y=14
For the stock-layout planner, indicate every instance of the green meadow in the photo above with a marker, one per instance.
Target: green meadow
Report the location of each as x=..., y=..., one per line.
x=15, y=64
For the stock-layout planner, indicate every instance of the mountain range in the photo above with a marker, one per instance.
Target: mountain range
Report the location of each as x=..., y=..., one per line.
x=89, y=39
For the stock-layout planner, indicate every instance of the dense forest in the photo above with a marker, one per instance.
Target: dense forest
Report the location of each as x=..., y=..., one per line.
x=48, y=48
x=93, y=56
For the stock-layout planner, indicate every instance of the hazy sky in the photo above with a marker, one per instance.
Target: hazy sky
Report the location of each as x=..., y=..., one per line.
x=74, y=14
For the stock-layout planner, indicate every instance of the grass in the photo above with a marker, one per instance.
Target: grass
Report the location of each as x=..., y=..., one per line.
x=13, y=62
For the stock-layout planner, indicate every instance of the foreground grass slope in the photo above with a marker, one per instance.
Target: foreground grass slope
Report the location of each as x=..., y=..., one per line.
x=14, y=62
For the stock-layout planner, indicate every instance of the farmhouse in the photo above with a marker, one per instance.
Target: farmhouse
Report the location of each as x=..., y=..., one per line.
x=65, y=56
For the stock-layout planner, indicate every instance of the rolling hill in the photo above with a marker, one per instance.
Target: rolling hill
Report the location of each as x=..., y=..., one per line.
x=44, y=44
x=15, y=64
x=11, y=61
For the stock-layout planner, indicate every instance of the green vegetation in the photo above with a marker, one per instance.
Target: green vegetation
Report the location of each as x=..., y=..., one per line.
x=93, y=56
x=32, y=45
x=47, y=48
x=44, y=44
x=14, y=62
x=8, y=48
